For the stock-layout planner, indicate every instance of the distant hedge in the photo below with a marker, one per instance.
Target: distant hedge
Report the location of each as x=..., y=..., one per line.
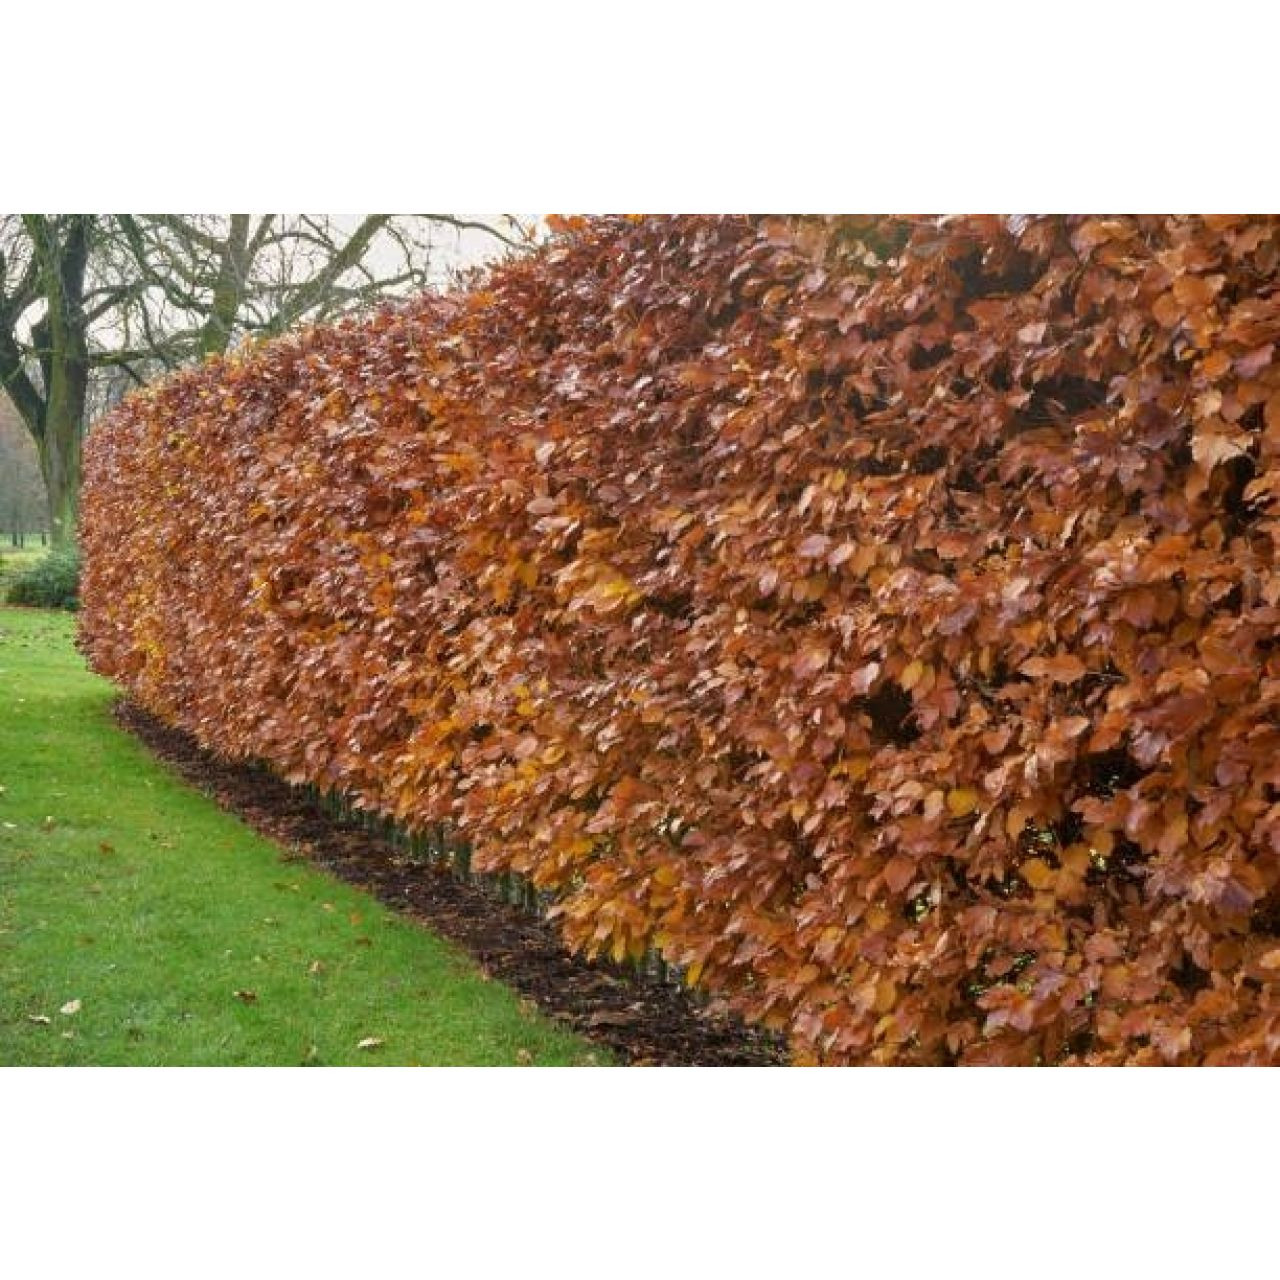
x=878, y=617
x=52, y=582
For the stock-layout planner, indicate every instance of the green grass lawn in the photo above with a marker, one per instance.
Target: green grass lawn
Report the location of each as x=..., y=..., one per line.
x=141, y=925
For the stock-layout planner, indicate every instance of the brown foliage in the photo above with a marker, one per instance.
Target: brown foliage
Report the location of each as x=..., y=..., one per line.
x=892, y=646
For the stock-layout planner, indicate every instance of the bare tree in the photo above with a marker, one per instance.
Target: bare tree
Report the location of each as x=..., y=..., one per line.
x=87, y=301
x=22, y=500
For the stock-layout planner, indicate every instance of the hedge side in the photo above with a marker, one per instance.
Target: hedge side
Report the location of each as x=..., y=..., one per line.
x=892, y=644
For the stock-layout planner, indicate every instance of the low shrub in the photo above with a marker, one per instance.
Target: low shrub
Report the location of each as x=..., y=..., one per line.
x=52, y=582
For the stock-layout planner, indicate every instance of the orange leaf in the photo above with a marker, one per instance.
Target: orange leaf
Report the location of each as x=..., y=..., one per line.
x=1063, y=668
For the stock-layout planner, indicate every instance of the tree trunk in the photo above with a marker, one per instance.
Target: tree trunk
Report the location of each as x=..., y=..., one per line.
x=60, y=465
x=233, y=270
x=61, y=338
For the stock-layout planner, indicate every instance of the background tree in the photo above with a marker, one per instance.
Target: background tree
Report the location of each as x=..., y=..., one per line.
x=92, y=303
x=23, y=511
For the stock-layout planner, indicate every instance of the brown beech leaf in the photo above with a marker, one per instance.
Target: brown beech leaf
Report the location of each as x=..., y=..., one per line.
x=811, y=659
x=1271, y=413
x=899, y=872
x=1249, y=366
x=1211, y=448
x=1062, y=668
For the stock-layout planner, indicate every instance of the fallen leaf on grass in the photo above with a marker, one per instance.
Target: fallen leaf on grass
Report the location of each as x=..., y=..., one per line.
x=315, y=967
x=41, y=1019
x=371, y=1042
x=524, y=1058
x=105, y=846
x=248, y=997
x=72, y=1006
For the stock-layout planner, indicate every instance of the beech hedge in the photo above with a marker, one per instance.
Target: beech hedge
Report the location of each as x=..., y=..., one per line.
x=876, y=617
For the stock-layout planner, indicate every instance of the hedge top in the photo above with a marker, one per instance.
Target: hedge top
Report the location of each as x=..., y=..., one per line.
x=877, y=616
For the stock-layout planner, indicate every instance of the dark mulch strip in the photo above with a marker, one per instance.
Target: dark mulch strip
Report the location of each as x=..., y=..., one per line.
x=641, y=1019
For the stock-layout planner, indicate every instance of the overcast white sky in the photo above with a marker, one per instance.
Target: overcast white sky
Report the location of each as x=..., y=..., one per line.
x=455, y=249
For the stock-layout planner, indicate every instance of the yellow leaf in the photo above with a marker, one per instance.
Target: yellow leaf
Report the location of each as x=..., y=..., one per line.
x=1038, y=874
x=962, y=801
x=854, y=767
x=877, y=917
x=1075, y=858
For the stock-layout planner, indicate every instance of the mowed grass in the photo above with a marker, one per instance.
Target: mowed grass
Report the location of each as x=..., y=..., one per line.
x=126, y=891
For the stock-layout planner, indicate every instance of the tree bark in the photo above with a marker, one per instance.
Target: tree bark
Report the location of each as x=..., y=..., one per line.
x=63, y=346
x=60, y=466
x=228, y=293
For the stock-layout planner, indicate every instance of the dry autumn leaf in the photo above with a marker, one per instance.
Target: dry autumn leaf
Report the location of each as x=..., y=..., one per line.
x=1063, y=668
